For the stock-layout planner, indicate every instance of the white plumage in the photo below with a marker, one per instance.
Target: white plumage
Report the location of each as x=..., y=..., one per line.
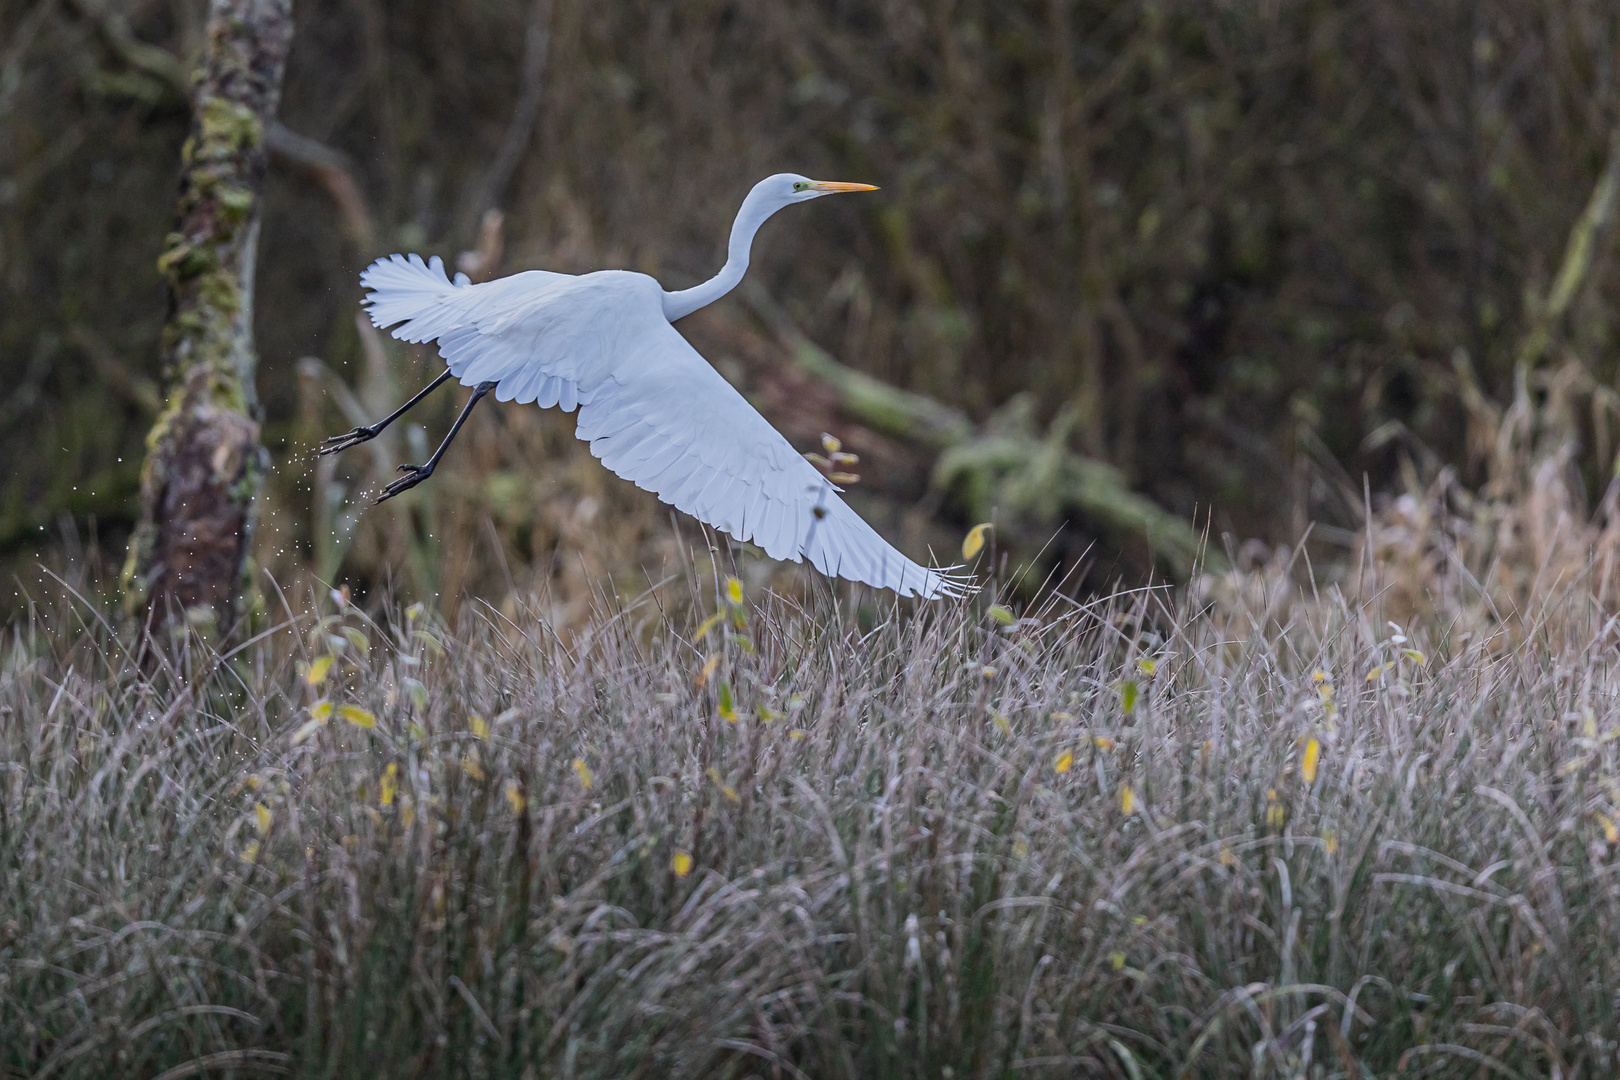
x=653, y=410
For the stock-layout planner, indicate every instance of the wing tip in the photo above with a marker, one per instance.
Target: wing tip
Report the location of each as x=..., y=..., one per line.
x=401, y=289
x=942, y=583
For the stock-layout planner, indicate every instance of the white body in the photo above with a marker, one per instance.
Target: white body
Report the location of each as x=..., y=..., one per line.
x=653, y=410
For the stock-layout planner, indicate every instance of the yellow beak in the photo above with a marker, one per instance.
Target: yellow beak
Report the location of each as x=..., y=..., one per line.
x=838, y=185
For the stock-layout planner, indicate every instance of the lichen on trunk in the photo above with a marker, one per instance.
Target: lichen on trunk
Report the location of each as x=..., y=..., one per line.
x=189, y=556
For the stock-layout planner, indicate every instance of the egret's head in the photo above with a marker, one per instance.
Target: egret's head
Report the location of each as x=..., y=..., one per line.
x=785, y=188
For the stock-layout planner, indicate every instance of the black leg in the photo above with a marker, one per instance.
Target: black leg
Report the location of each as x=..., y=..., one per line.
x=415, y=474
x=366, y=434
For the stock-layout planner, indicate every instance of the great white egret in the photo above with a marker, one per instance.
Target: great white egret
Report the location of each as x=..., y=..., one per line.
x=653, y=410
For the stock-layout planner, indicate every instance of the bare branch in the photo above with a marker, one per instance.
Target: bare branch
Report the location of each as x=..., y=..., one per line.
x=113, y=30
x=333, y=170
x=536, y=45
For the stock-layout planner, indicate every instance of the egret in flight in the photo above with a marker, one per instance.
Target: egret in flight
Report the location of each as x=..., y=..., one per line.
x=653, y=410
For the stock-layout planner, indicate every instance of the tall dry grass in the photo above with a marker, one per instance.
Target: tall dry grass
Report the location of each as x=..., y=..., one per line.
x=1239, y=832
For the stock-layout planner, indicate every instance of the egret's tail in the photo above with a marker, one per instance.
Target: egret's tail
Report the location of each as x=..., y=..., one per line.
x=404, y=289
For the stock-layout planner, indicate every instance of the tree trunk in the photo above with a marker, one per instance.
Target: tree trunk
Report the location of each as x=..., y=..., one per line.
x=189, y=557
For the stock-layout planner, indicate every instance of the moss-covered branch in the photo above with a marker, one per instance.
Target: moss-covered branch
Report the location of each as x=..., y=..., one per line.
x=1008, y=467
x=1579, y=251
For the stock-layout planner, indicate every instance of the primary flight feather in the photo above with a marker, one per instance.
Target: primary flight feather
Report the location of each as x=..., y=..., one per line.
x=653, y=410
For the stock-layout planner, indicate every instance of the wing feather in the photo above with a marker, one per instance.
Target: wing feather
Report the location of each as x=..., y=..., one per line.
x=652, y=409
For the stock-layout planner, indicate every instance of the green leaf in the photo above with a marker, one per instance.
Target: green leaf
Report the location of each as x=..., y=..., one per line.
x=1128, y=693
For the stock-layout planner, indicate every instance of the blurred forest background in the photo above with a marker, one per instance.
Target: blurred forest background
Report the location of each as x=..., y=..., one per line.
x=1257, y=267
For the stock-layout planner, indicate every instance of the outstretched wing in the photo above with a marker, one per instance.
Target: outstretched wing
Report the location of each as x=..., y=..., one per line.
x=668, y=422
x=653, y=410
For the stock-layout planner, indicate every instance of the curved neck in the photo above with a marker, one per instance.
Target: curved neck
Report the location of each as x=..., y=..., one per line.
x=750, y=217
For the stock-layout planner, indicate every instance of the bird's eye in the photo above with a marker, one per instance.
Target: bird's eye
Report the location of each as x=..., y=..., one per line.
x=800, y=185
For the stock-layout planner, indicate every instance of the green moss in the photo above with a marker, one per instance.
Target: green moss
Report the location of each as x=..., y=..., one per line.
x=221, y=294
x=225, y=128
x=235, y=202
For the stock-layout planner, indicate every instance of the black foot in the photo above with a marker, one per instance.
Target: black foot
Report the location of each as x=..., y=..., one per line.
x=343, y=442
x=414, y=474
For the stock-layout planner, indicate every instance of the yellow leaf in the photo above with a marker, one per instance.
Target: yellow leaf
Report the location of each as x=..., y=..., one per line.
x=708, y=669
x=1313, y=755
x=472, y=766
x=414, y=612
x=1064, y=762
x=681, y=863
x=844, y=479
x=321, y=711
x=388, y=786
x=357, y=716
x=1228, y=857
x=309, y=727
x=1103, y=742
x=714, y=774
x=480, y=727
x=361, y=643
x=1611, y=831
x=728, y=710
x=1147, y=665
x=1062, y=717
x=831, y=443
x=1020, y=848
x=1330, y=842
x=1001, y=614
x=262, y=818
x=583, y=771
x=318, y=670
x=973, y=543
x=250, y=854
x=797, y=733
x=1319, y=677
x=709, y=624
x=734, y=591
x=1002, y=723
x=514, y=796
x=1128, y=693
x=1412, y=655
x=1276, y=812
x=1117, y=959
x=1127, y=800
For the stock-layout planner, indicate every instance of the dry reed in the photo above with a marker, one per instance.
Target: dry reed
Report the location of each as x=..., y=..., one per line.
x=1143, y=837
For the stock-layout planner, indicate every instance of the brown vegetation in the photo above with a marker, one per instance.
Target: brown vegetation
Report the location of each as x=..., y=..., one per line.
x=539, y=791
x=1260, y=834
x=1241, y=254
